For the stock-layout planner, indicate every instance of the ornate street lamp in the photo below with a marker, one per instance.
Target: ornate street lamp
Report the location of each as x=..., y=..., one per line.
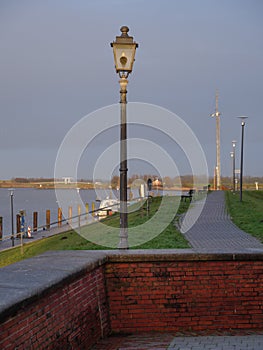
x=243, y=118
x=124, y=55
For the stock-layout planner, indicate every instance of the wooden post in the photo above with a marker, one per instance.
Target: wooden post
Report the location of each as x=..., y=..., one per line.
x=79, y=213
x=21, y=244
x=47, y=219
x=70, y=215
x=87, y=212
x=1, y=227
x=18, y=225
x=35, y=221
x=59, y=217
x=93, y=209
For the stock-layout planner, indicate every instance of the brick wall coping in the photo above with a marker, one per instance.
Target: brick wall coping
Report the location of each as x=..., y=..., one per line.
x=27, y=280
x=180, y=255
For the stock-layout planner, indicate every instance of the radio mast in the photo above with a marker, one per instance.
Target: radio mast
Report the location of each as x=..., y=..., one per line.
x=218, y=162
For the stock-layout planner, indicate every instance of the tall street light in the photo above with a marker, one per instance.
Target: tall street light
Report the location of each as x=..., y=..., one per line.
x=12, y=215
x=234, y=164
x=124, y=55
x=243, y=118
x=232, y=156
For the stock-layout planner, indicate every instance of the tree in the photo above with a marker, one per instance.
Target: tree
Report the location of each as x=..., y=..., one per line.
x=115, y=181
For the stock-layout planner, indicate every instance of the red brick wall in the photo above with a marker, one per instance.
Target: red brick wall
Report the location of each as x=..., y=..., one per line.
x=138, y=293
x=72, y=316
x=185, y=295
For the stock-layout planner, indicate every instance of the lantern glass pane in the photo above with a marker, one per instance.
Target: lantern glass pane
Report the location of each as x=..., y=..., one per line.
x=124, y=56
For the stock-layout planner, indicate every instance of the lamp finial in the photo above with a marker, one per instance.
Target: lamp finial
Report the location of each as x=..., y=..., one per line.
x=124, y=31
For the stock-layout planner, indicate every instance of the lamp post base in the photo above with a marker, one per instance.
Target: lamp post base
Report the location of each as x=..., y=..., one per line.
x=123, y=244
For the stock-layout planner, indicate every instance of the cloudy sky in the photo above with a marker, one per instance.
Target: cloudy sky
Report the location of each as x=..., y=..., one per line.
x=56, y=66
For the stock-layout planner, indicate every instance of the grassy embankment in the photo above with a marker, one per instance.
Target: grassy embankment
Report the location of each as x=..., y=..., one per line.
x=248, y=214
x=168, y=238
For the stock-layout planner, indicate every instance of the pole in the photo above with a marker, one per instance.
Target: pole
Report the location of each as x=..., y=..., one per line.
x=70, y=215
x=1, y=227
x=47, y=219
x=79, y=216
x=59, y=217
x=234, y=166
x=12, y=216
x=87, y=212
x=35, y=221
x=123, y=244
x=241, y=160
x=18, y=225
x=218, y=161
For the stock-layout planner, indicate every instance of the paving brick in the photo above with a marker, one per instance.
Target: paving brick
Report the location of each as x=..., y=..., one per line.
x=214, y=231
x=161, y=341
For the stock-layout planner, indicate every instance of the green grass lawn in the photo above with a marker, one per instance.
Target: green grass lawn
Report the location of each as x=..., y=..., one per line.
x=106, y=236
x=248, y=214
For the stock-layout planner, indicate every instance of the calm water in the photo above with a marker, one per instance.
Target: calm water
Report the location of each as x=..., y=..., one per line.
x=30, y=200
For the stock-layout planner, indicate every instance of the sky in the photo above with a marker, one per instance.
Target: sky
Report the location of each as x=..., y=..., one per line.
x=56, y=67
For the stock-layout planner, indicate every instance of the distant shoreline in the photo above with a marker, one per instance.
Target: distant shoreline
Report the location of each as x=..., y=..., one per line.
x=50, y=185
x=80, y=185
x=45, y=185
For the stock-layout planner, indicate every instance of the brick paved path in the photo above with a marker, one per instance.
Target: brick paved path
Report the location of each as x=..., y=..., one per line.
x=214, y=231
x=156, y=341
x=252, y=342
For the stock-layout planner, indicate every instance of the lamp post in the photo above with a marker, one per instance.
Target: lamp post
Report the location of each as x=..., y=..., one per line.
x=234, y=164
x=12, y=215
x=124, y=55
x=243, y=118
x=232, y=156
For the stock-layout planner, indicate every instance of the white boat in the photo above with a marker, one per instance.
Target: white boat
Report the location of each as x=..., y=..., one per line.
x=107, y=207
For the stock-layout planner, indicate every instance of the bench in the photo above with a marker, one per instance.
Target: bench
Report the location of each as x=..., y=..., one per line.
x=189, y=195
